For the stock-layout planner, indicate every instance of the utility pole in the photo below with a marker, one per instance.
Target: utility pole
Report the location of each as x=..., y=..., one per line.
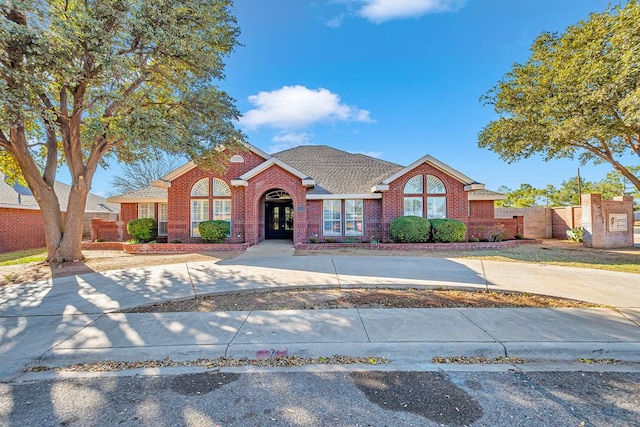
x=579, y=188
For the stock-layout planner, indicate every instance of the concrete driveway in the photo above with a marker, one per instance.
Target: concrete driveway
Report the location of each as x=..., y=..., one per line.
x=73, y=319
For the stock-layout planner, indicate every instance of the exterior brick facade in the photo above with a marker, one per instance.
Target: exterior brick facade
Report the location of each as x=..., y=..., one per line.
x=259, y=174
x=21, y=229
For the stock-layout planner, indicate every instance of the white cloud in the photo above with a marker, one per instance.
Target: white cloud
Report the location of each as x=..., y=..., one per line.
x=288, y=140
x=297, y=107
x=385, y=10
x=336, y=21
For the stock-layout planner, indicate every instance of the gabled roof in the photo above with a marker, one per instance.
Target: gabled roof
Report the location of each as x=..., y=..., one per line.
x=145, y=194
x=336, y=171
x=436, y=164
x=267, y=164
x=11, y=197
x=165, y=180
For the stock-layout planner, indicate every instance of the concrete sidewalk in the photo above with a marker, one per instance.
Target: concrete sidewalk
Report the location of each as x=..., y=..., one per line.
x=72, y=319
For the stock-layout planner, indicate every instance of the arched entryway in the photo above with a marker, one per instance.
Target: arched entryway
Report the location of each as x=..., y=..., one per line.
x=278, y=215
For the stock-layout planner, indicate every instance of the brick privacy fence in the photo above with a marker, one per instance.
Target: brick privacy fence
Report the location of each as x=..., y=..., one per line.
x=545, y=223
x=21, y=229
x=111, y=231
x=506, y=228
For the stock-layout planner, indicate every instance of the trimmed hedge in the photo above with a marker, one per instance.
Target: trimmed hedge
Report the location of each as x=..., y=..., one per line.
x=142, y=229
x=410, y=229
x=214, y=231
x=447, y=230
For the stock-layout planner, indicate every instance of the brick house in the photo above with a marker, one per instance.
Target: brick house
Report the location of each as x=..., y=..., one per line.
x=309, y=192
x=21, y=224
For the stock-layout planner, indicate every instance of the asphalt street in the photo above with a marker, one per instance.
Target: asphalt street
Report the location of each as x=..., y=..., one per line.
x=368, y=398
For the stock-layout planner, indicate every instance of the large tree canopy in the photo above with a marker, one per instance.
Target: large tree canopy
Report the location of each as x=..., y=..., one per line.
x=85, y=81
x=577, y=95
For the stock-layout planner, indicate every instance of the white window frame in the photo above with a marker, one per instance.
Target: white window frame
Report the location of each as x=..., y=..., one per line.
x=353, y=217
x=163, y=216
x=412, y=210
x=435, y=185
x=198, y=214
x=415, y=183
x=200, y=188
x=147, y=210
x=220, y=188
x=436, y=207
x=332, y=216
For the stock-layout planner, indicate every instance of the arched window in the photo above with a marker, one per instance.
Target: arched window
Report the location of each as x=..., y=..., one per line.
x=434, y=185
x=236, y=158
x=414, y=185
x=200, y=188
x=220, y=188
x=202, y=196
x=435, y=197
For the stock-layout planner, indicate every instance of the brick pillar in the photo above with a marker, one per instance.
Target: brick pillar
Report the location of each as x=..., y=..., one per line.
x=607, y=223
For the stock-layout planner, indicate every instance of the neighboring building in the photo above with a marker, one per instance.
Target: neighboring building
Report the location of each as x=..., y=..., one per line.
x=21, y=225
x=308, y=191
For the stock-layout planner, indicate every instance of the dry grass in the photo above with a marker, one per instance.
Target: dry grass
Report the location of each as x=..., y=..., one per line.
x=317, y=299
x=552, y=252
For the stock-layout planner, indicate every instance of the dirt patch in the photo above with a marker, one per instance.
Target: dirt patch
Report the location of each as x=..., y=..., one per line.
x=100, y=261
x=315, y=299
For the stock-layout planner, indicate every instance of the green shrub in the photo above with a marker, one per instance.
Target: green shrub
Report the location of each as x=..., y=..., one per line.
x=142, y=230
x=214, y=231
x=410, y=229
x=575, y=234
x=447, y=230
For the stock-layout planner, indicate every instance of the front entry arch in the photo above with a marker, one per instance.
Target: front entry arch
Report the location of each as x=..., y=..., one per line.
x=278, y=215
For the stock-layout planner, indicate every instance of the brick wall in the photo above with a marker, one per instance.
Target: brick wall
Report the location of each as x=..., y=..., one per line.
x=481, y=209
x=86, y=223
x=21, y=229
x=565, y=218
x=273, y=178
x=537, y=220
x=393, y=199
x=371, y=221
x=485, y=230
x=599, y=219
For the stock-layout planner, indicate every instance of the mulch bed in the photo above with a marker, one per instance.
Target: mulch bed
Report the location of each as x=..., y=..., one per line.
x=315, y=299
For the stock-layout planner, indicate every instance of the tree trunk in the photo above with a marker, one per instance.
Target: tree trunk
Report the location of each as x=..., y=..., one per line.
x=64, y=237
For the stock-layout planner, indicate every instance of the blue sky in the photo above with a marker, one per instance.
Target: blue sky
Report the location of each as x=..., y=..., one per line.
x=395, y=79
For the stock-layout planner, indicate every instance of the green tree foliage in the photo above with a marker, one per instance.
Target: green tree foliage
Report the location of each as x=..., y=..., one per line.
x=523, y=197
x=88, y=81
x=577, y=95
x=410, y=229
x=614, y=184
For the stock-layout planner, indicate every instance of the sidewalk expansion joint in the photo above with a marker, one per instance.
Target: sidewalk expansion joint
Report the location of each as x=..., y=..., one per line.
x=504, y=348
x=226, y=349
x=617, y=310
x=193, y=288
x=364, y=328
x=53, y=347
x=484, y=276
x=335, y=269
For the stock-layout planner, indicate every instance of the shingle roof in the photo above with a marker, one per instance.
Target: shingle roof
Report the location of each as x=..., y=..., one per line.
x=485, y=194
x=9, y=196
x=336, y=171
x=142, y=194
